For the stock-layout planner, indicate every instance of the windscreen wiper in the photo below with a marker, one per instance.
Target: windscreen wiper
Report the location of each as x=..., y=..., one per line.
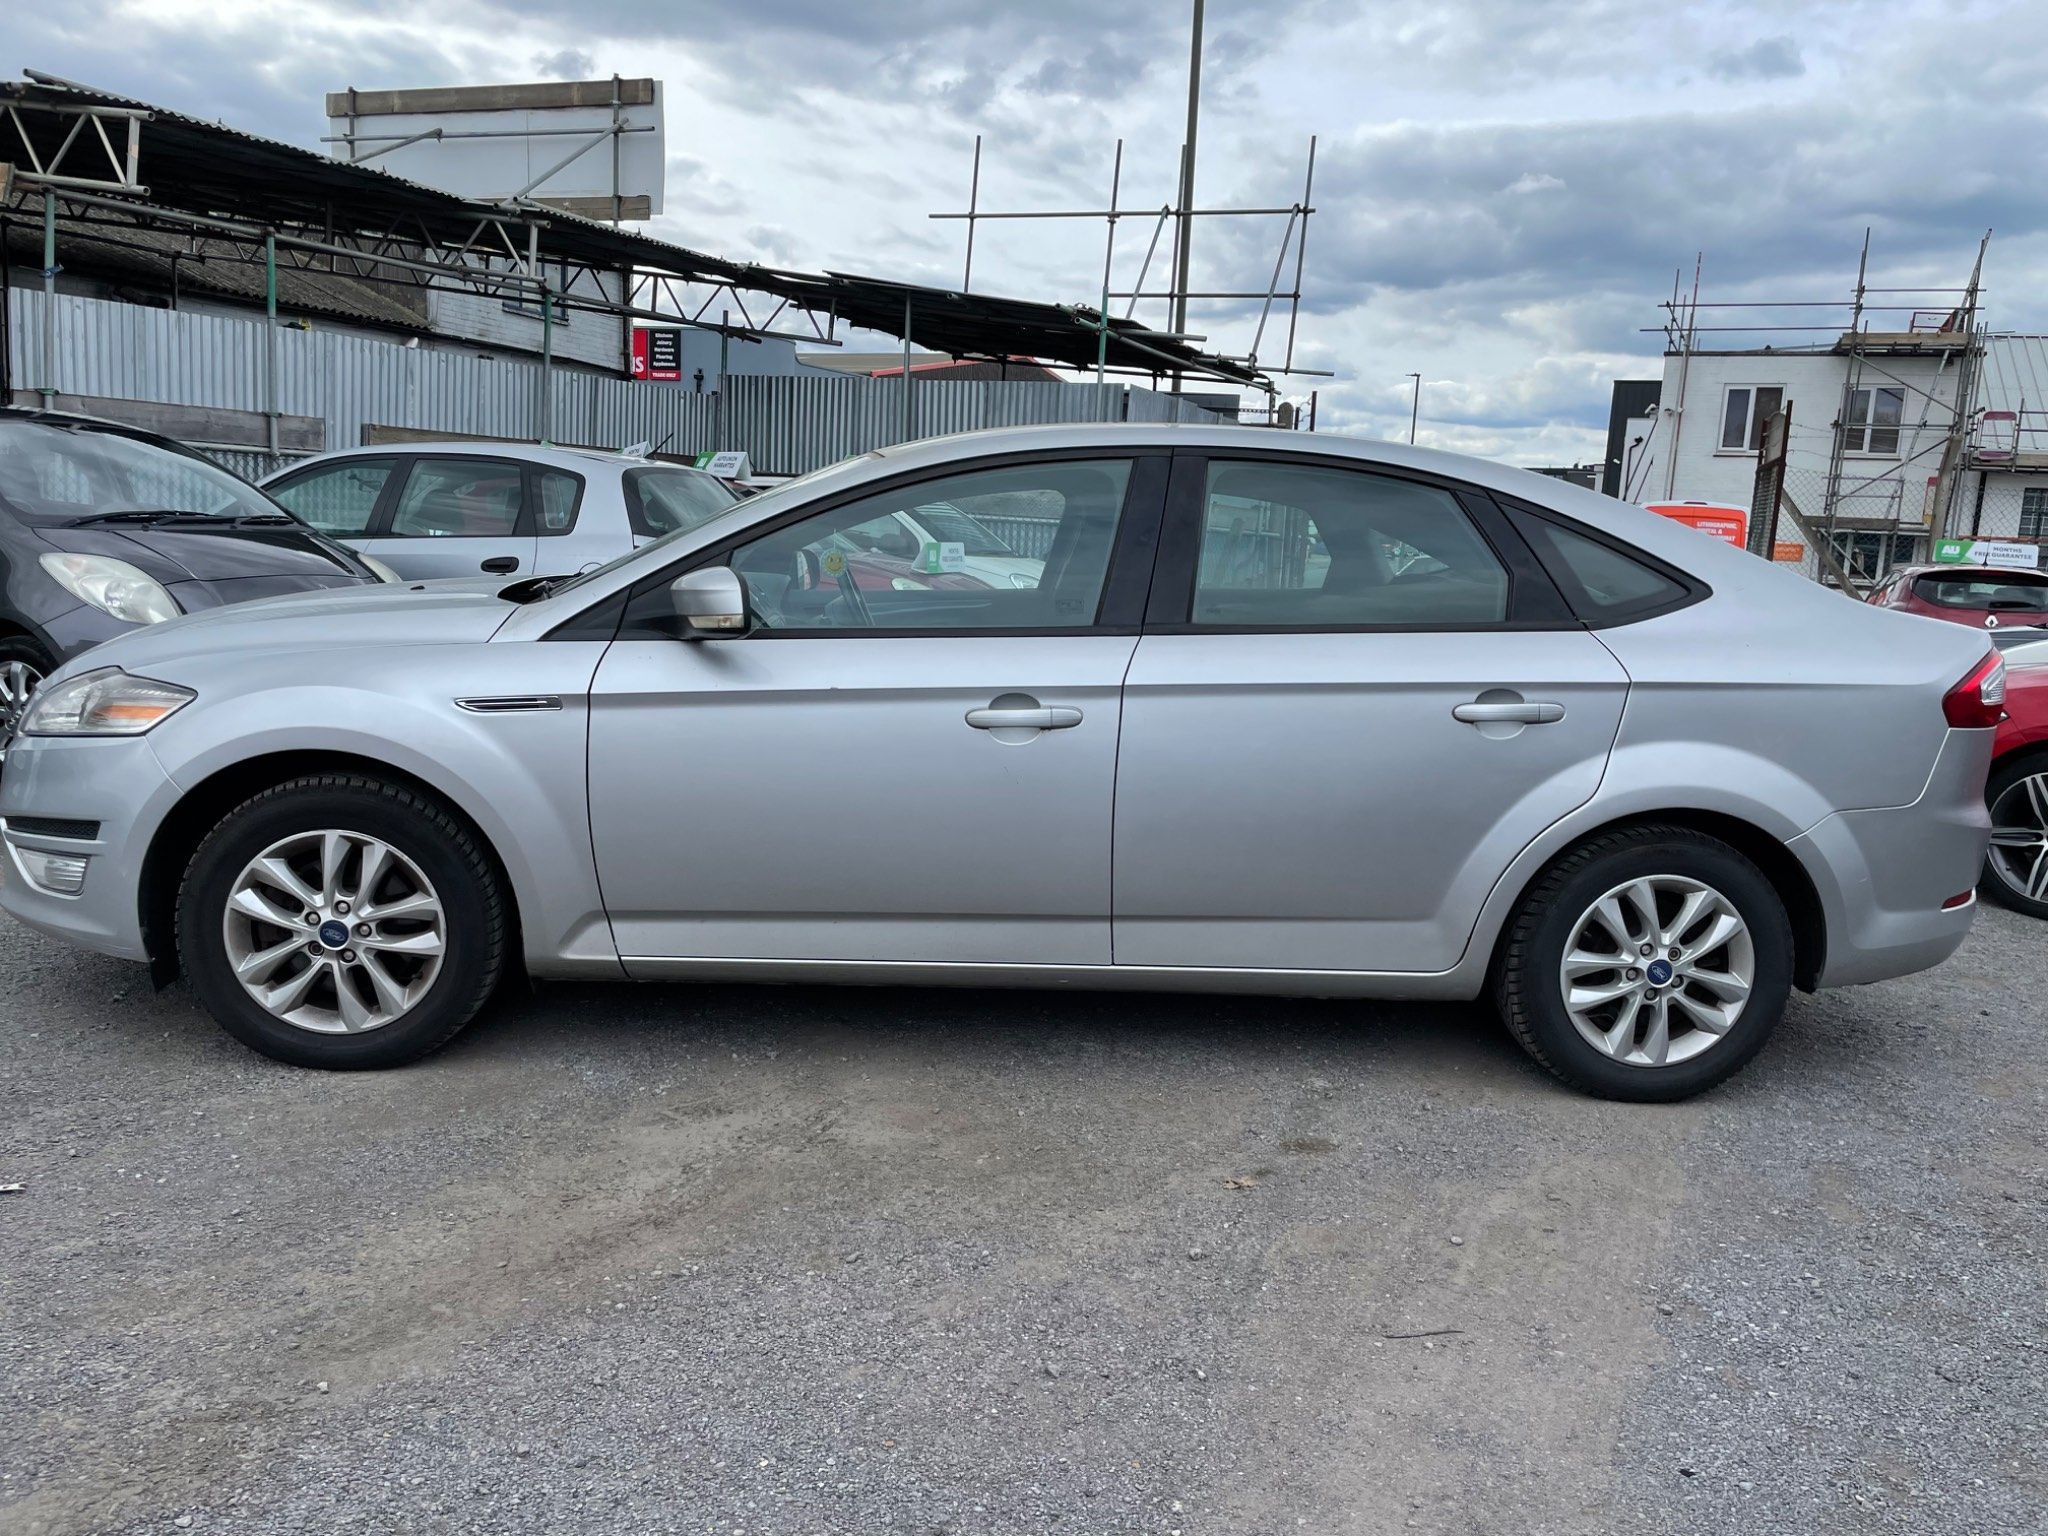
x=157, y=516
x=132, y=515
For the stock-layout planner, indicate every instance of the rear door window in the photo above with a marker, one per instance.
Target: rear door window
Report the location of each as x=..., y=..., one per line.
x=459, y=498
x=1297, y=546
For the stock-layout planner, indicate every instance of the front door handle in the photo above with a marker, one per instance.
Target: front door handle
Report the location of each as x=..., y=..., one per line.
x=1056, y=717
x=500, y=565
x=1520, y=712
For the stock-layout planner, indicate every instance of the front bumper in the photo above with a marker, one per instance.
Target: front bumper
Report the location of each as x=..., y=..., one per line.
x=117, y=784
x=1882, y=875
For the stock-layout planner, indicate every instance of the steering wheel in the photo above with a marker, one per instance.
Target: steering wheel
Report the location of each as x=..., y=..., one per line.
x=811, y=572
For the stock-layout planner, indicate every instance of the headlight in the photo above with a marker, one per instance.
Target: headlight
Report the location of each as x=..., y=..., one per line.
x=112, y=586
x=384, y=572
x=107, y=702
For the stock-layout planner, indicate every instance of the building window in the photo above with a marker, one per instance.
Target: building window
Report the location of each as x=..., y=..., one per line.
x=530, y=309
x=1744, y=411
x=1869, y=555
x=2034, y=512
x=1872, y=425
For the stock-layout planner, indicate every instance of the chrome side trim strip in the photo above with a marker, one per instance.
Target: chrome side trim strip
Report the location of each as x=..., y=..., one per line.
x=509, y=703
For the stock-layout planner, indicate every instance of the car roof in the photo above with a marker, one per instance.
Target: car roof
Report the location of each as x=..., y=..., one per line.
x=530, y=453
x=90, y=423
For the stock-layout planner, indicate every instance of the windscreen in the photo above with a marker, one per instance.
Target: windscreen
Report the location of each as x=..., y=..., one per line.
x=662, y=501
x=54, y=473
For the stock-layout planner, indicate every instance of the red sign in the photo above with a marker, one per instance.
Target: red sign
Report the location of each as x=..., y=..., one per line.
x=658, y=354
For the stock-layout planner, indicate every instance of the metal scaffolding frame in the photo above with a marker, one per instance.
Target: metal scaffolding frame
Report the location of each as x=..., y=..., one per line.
x=83, y=157
x=1178, y=214
x=1944, y=321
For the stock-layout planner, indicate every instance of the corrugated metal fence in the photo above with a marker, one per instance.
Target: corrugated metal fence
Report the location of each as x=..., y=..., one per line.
x=787, y=425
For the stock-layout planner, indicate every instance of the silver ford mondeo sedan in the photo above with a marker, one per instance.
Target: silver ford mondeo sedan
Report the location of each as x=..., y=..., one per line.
x=1248, y=712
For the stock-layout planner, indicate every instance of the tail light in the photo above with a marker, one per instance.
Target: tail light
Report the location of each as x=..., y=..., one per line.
x=1978, y=701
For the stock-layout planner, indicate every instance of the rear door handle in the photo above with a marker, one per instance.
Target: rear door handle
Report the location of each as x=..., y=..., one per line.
x=1056, y=717
x=500, y=565
x=1526, y=712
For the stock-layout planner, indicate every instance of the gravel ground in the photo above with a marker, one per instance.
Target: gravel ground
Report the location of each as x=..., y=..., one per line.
x=797, y=1261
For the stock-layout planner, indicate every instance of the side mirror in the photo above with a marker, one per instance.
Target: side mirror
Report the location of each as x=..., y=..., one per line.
x=710, y=601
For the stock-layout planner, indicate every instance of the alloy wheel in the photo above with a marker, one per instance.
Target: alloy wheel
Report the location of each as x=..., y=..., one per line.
x=335, y=932
x=1658, y=970
x=2019, y=837
x=17, y=681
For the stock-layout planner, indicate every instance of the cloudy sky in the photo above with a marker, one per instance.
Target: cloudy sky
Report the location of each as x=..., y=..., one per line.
x=1504, y=187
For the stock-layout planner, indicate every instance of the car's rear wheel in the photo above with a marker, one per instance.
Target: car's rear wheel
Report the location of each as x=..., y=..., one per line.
x=1647, y=964
x=338, y=921
x=23, y=666
x=2016, y=866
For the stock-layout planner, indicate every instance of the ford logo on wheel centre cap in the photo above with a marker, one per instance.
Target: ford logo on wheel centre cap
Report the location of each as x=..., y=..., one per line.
x=1660, y=970
x=333, y=933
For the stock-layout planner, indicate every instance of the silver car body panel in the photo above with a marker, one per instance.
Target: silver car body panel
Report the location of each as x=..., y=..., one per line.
x=1309, y=801
x=827, y=798
x=811, y=807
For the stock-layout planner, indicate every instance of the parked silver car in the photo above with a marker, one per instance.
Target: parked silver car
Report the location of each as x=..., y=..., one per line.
x=1280, y=714
x=433, y=510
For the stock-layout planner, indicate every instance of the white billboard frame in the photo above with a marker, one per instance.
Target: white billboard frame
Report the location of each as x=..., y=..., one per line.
x=598, y=148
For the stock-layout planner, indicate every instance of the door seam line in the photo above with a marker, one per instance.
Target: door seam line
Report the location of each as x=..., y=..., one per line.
x=1116, y=764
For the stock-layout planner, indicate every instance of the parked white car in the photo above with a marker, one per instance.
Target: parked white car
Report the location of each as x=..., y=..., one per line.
x=442, y=509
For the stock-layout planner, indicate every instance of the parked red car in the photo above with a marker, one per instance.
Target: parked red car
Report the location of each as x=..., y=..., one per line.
x=1984, y=596
x=2016, y=868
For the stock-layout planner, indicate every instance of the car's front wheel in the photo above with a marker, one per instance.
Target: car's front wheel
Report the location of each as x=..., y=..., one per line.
x=23, y=666
x=2016, y=867
x=1647, y=964
x=338, y=921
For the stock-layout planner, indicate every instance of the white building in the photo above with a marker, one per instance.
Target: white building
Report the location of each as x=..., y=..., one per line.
x=1871, y=432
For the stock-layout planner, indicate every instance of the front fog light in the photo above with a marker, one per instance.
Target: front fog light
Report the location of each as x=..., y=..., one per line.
x=54, y=874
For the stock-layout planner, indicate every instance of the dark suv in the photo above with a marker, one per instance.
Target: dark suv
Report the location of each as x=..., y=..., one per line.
x=104, y=528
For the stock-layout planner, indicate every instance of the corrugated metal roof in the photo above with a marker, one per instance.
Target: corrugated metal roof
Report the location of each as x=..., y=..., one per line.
x=2015, y=375
x=207, y=168
x=157, y=261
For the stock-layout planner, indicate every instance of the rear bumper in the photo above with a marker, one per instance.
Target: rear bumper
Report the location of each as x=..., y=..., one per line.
x=1882, y=875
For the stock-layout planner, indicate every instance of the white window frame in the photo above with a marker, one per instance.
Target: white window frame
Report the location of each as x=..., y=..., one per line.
x=1752, y=426
x=1856, y=433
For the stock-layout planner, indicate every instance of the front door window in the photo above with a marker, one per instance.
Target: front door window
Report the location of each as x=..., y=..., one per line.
x=338, y=498
x=862, y=567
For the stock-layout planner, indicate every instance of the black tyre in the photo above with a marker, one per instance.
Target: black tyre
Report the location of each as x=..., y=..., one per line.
x=336, y=921
x=1647, y=964
x=23, y=666
x=2016, y=867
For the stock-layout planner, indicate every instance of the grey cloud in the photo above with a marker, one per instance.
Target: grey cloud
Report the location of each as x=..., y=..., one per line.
x=1768, y=58
x=1503, y=191
x=566, y=64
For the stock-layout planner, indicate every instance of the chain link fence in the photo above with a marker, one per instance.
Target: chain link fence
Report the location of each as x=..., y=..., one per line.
x=1878, y=524
x=2008, y=508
